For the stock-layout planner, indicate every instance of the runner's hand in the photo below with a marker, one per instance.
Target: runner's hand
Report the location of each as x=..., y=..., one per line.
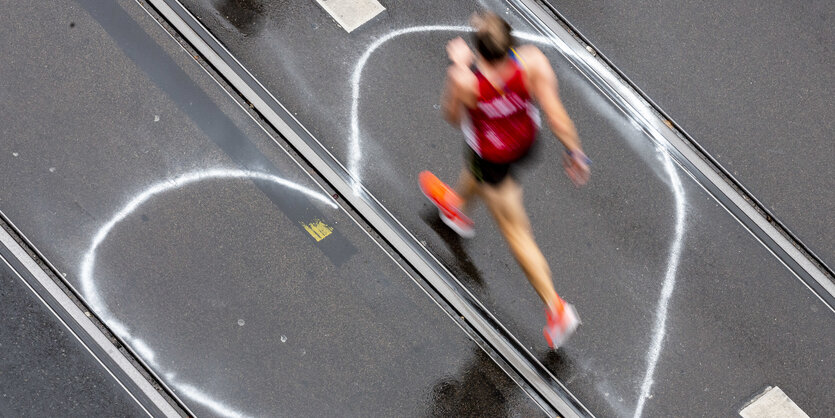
x=459, y=53
x=577, y=167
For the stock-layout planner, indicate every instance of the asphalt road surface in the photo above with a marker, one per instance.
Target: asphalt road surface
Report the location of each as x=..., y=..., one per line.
x=751, y=81
x=229, y=266
x=248, y=295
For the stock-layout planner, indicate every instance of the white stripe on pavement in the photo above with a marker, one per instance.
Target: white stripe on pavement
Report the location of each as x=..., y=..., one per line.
x=773, y=403
x=351, y=14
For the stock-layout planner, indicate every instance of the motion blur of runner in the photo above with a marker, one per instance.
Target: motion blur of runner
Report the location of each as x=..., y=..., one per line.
x=489, y=95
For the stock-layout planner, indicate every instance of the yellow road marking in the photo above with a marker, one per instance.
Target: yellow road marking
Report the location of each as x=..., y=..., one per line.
x=318, y=229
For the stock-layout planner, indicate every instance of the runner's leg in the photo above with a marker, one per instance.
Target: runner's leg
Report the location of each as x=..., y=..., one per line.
x=466, y=188
x=505, y=203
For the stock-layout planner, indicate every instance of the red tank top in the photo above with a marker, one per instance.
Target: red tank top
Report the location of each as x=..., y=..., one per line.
x=503, y=125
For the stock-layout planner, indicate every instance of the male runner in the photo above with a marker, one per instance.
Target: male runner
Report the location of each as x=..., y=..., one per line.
x=489, y=95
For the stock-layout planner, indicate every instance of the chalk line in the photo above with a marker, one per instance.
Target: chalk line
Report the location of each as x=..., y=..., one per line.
x=91, y=291
x=659, y=328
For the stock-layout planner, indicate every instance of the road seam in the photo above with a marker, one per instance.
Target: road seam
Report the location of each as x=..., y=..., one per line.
x=356, y=218
x=83, y=325
x=435, y=274
x=689, y=159
x=725, y=173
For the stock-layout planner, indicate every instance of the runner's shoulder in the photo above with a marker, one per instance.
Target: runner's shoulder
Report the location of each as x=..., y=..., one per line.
x=532, y=56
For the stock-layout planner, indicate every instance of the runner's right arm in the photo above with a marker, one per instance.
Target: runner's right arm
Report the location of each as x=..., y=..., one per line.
x=459, y=88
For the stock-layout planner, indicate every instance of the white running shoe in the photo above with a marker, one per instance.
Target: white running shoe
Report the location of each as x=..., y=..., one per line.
x=560, y=327
x=461, y=226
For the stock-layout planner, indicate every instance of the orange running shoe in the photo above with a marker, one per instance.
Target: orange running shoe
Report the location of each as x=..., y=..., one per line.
x=448, y=203
x=561, y=324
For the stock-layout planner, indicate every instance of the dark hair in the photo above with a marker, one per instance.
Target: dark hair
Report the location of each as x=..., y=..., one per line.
x=492, y=36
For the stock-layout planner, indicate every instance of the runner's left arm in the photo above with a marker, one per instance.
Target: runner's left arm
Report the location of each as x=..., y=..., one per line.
x=543, y=84
x=544, y=87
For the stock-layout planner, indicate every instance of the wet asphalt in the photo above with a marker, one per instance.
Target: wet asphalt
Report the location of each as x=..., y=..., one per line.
x=218, y=285
x=612, y=244
x=44, y=370
x=751, y=81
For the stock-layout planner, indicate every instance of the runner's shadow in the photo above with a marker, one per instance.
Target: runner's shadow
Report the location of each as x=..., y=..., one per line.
x=464, y=267
x=560, y=364
x=245, y=15
x=479, y=390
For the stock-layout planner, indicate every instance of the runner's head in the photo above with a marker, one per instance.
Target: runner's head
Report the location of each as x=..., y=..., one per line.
x=492, y=36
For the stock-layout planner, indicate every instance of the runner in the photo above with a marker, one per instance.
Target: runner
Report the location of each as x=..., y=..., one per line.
x=489, y=95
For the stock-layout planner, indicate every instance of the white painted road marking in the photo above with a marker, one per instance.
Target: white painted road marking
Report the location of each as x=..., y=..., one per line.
x=351, y=14
x=660, y=327
x=773, y=403
x=89, y=281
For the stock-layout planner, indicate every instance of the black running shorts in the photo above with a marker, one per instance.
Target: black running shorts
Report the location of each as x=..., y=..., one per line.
x=489, y=172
